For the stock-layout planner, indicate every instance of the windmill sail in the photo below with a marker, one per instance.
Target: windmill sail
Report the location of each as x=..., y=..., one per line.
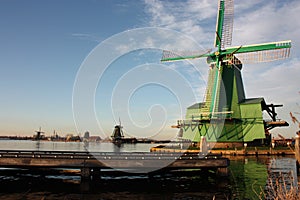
x=264, y=56
x=181, y=55
x=266, y=52
x=224, y=24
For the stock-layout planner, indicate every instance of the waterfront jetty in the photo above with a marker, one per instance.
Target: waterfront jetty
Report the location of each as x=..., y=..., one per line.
x=89, y=162
x=246, y=151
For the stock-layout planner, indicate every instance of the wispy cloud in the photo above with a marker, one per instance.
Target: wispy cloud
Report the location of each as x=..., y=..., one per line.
x=184, y=17
x=278, y=82
x=267, y=21
x=86, y=36
x=194, y=19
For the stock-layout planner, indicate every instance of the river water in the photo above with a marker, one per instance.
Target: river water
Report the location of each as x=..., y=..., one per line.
x=249, y=178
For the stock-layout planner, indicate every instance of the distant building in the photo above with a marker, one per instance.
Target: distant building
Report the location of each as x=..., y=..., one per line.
x=72, y=138
x=94, y=139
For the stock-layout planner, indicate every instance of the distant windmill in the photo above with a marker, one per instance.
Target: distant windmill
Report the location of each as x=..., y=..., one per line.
x=39, y=134
x=225, y=96
x=118, y=132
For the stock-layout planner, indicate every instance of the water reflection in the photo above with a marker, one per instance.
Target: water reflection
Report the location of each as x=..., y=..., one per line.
x=167, y=186
x=249, y=178
x=37, y=145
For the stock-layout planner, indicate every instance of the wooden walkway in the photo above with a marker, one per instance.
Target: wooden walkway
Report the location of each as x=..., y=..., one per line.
x=136, y=161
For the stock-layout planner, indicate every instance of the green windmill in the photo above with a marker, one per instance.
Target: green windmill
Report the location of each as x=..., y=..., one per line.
x=227, y=115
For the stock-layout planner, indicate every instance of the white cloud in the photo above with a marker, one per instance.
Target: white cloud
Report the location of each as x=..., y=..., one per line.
x=278, y=83
x=189, y=18
x=268, y=22
x=183, y=16
x=159, y=15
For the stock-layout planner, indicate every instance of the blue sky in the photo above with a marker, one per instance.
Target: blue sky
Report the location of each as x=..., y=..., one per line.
x=44, y=43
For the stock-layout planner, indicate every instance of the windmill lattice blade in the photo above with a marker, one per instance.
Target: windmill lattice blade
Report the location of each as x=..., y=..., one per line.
x=224, y=25
x=228, y=23
x=264, y=56
x=176, y=55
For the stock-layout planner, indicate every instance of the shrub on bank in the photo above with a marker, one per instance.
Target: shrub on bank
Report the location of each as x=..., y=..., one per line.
x=282, y=187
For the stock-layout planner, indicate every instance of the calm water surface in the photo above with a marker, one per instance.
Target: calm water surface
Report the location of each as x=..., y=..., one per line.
x=248, y=179
x=72, y=146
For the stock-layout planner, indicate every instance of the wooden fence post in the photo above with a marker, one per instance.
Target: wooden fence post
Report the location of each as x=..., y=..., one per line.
x=297, y=151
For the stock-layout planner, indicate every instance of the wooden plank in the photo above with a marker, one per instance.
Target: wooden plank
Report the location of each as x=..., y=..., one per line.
x=142, y=162
x=112, y=163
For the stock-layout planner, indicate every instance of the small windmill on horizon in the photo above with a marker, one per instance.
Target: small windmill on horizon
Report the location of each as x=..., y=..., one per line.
x=227, y=115
x=39, y=134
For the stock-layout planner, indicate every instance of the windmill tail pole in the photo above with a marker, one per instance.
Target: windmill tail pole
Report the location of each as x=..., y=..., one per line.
x=297, y=151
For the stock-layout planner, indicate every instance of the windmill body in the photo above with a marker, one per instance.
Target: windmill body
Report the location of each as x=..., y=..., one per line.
x=227, y=115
